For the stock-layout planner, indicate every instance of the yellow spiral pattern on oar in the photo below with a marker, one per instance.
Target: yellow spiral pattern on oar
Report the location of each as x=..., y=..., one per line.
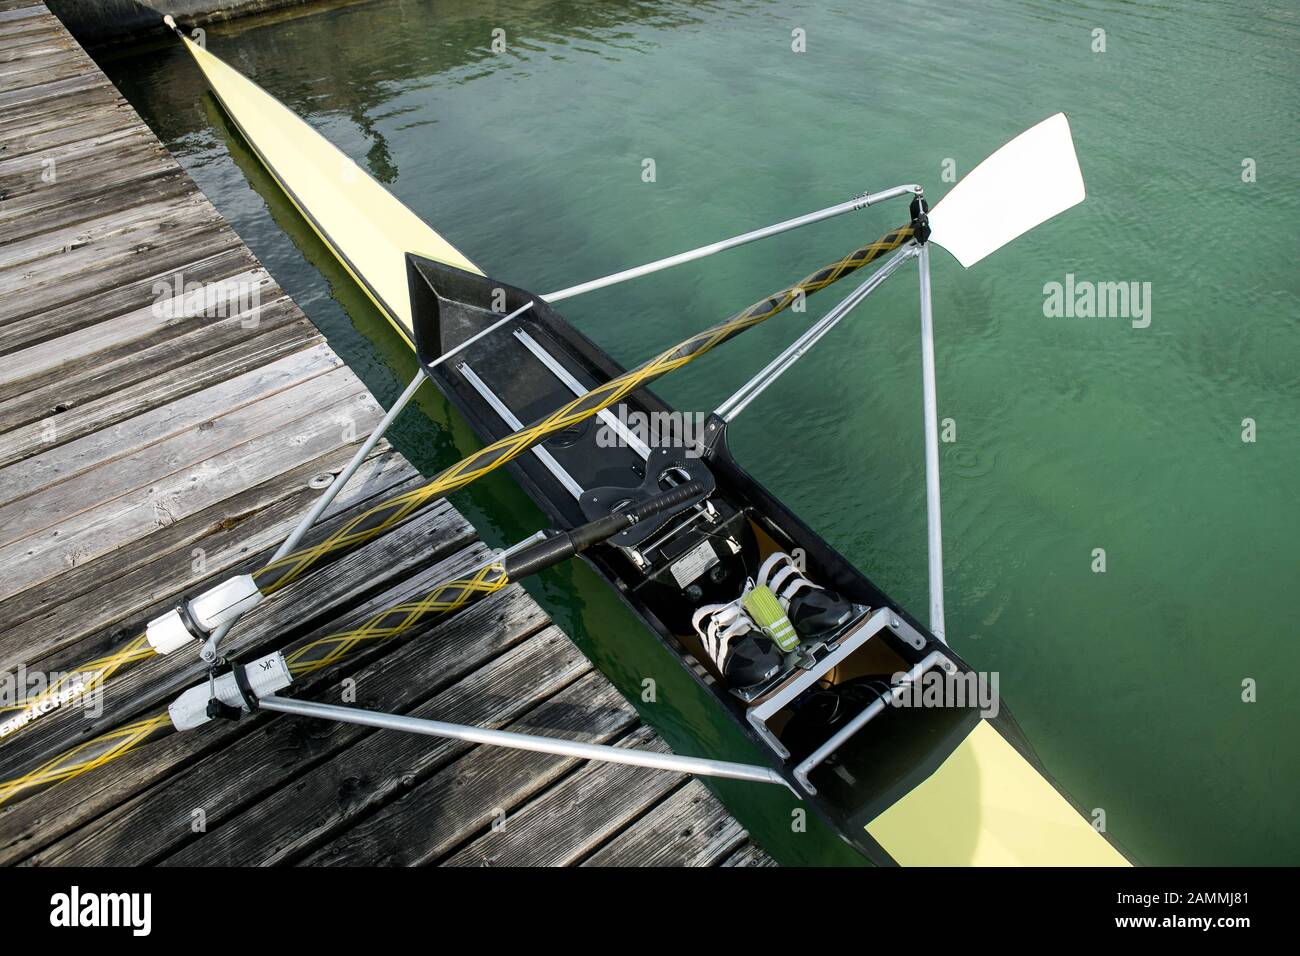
x=390, y=513
x=447, y=598
x=92, y=674
x=88, y=756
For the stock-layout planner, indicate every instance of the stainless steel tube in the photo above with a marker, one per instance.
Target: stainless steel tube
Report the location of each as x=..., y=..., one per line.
x=699, y=766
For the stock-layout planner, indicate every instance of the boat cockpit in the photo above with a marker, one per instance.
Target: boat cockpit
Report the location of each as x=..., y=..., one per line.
x=807, y=654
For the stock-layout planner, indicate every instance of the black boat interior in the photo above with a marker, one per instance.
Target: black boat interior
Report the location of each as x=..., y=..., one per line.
x=792, y=699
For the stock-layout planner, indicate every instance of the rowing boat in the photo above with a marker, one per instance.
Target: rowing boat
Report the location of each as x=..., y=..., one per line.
x=797, y=647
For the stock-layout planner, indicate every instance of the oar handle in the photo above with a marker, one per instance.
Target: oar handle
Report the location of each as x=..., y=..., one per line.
x=566, y=544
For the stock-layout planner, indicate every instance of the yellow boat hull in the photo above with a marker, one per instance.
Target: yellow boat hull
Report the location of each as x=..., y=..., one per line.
x=365, y=226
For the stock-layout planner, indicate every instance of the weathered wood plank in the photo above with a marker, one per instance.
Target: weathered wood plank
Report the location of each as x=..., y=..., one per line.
x=32, y=96
x=313, y=362
x=482, y=788
x=240, y=296
x=43, y=555
x=45, y=179
x=22, y=30
x=749, y=854
x=35, y=29
x=20, y=10
x=206, y=410
x=45, y=60
x=89, y=380
x=15, y=26
x=148, y=260
x=69, y=210
x=98, y=243
x=68, y=128
x=295, y=819
x=570, y=820
x=72, y=165
x=96, y=190
x=64, y=38
x=57, y=55
x=77, y=199
x=46, y=69
x=31, y=39
x=25, y=27
x=65, y=114
x=690, y=828
x=18, y=54
x=74, y=316
x=16, y=10
x=18, y=26
x=93, y=265
x=61, y=502
x=65, y=620
x=73, y=423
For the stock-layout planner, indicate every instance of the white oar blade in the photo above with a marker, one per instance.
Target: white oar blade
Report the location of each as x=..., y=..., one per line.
x=1026, y=182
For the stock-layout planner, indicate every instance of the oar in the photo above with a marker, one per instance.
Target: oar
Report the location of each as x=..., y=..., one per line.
x=1026, y=182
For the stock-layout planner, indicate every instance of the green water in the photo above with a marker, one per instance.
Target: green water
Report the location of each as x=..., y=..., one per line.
x=1071, y=434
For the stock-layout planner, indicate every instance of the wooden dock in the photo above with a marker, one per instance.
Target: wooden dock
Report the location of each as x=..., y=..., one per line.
x=146, y=452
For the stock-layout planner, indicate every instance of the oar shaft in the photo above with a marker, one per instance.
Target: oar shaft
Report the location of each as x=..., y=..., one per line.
x=342, y=478
x=87, y=756
x=699, y=766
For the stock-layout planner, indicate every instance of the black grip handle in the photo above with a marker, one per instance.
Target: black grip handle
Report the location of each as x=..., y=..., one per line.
x=566, y=544
x=670, y=500
x=588, y=534
x=543, y=554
